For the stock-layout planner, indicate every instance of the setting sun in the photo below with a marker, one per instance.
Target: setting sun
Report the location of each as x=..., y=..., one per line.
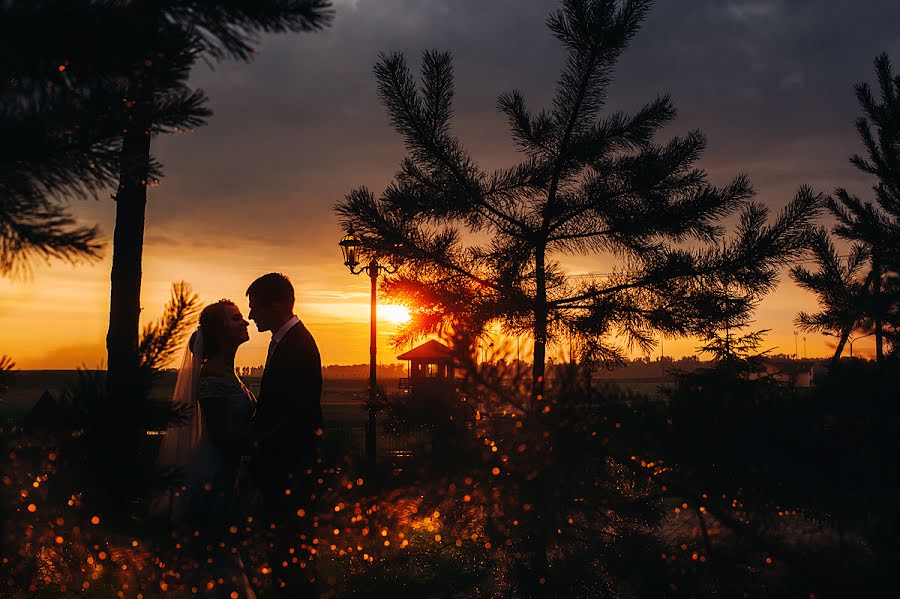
x=394, y=313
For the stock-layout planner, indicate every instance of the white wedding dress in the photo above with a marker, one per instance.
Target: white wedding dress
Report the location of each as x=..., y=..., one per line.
x=206, y=448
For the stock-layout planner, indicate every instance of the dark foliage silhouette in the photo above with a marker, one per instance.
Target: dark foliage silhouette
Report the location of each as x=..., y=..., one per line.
x=110, y=458
x=792, y=481
x=86, y=460
x=875, y=226
x=61, y=117
x=590, y=183
x=842, y=292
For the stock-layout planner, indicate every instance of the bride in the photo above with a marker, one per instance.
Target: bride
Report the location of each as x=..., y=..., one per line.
x=206, y=446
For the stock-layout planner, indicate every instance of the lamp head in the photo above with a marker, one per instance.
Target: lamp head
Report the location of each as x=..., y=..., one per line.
x=350, y=244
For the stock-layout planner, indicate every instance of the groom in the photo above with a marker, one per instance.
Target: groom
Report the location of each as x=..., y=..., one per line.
x=288, y=420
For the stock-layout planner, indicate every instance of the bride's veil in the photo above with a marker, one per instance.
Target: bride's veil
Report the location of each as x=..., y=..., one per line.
x=183, y=436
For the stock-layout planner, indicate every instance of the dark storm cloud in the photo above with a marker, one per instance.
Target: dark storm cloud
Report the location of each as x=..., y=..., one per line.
x=769, y=81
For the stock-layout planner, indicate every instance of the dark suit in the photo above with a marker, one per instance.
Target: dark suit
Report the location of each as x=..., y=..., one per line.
x=289, y=421
x=288, y=412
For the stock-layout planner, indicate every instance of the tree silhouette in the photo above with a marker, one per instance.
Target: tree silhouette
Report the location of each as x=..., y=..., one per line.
x=589, y=184
x=170, y=37
x=34, y=221
x=116, y=465
x=876, y=225
x=840, y=287
x=61, y=121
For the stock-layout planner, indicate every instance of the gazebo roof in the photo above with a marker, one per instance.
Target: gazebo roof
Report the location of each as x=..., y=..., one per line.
x=430, y=350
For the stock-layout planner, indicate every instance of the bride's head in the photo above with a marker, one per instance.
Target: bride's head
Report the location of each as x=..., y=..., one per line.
x=223, y=327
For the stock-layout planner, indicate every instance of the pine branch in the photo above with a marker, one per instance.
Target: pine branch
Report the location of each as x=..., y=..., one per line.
x=841, y=295
x=29, y=231
x=180, y=109
x=161, y=339
x=619, y=132
x=388, y=235
x=595, y=39
x=533, y=134
x=449, y=168
x=229, y=29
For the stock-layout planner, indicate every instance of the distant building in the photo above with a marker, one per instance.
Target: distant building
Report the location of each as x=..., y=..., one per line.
x=431, y=365
x=798, y=373
x=251, y=371
x=646, y=370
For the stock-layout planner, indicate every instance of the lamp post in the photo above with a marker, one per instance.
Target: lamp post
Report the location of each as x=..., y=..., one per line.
x=852, y=339
x=350, y=246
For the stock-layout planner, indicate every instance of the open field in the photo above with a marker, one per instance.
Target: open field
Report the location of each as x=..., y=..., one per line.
x=342, y=399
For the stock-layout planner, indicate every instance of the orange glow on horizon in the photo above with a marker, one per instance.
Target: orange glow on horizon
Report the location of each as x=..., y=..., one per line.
x=57, y=319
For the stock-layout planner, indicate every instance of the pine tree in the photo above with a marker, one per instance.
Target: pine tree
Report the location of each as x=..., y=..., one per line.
x=61, y=127
x=34, y=222
x=112, y=460
x=842, y=293
x=589, y=184
x=876, y=225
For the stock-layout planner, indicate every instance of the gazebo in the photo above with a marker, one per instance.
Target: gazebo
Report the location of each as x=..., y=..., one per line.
x=429, y=363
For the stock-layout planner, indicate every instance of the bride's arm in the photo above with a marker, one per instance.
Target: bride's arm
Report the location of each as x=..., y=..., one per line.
x=223, y=428
x=220, y=427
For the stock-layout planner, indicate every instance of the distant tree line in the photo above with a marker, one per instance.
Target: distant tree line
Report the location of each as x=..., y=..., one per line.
x=339, y=370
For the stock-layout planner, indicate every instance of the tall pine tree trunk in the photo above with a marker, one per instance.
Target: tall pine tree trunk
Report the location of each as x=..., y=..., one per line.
x=128, y=238
x=836, y=358
x=540, y=328
x=878, y=304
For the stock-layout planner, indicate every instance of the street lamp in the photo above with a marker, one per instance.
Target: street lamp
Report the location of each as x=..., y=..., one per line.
x=852, y=339
x=351, y=244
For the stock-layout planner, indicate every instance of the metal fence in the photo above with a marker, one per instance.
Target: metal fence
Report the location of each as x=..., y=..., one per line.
x=351, y=439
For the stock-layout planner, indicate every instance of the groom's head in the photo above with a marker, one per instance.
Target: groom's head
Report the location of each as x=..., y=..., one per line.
x=271, y=301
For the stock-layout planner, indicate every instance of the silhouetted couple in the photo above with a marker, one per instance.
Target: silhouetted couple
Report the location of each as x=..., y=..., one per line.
x=278, y=431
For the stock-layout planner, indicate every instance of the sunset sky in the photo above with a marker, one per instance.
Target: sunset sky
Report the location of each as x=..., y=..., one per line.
x=768, y=81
